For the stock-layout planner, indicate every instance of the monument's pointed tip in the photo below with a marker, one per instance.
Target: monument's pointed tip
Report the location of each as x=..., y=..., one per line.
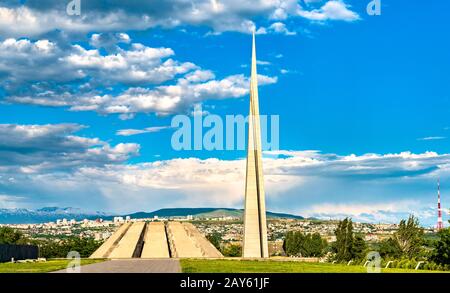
x=253, y=46
x=253, y=40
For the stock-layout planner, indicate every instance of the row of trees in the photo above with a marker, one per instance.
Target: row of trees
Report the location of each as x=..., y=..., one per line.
x=59, y=249
x=11, y=236
x=441, y=252
x=50, y=248
x=304, y=245
x=408, y=243
x=348, y=245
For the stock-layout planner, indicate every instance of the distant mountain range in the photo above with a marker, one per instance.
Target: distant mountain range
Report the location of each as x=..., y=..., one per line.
x=204, y=212
x=51, y=214
x=47, y=214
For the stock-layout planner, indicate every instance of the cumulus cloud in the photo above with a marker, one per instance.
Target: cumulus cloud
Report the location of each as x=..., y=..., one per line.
x=331, y=10
x=385, y=212
x=170, y=99
x=365, y=167
x=370, y=187
x=37, y=17
x=109, y=41
x=80, y=78
x=21, y=59
x=140, y=65
x=162, y=99
x=277, y=28
x=34, y=148
x=9, y=202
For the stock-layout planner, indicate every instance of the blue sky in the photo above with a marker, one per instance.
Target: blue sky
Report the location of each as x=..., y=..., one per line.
x=363, y=104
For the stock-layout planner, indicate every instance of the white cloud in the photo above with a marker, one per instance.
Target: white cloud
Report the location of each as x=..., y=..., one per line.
x=199, y=76
x=36, y=18
x=169, y=99
x=10, y=202
x=23, y=21
x=139, y=65
x=109, y=40
x=21, y=59
x=385, y=212
x=130, y=132
x=33, y=148
x=432, y=138
x=77, y=77
x=370, y=187
x=280, y=28
x=331, y=10
x=262, y=62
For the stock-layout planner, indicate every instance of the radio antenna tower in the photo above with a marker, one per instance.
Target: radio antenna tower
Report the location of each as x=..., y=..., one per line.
x=440, y=224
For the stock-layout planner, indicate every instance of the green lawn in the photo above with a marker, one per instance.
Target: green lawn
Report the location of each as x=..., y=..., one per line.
x=41, y=267
x=273, y=266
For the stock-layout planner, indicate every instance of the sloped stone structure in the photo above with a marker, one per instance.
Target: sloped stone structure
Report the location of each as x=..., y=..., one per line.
x=157, y=240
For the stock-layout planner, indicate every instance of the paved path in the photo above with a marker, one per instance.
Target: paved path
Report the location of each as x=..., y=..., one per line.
x=133, y=266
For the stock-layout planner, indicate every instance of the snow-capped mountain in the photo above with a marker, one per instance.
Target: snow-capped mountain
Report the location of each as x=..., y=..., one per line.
x=47, y=214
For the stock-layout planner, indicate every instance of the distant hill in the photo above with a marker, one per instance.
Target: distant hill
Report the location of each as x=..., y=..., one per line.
x=47, y=214
x=51, y=214
x=204, y=212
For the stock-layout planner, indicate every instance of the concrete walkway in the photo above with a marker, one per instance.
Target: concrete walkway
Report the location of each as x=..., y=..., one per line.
x=133, y=266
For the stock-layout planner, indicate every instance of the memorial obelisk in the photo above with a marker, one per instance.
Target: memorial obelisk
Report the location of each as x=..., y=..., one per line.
x=255, y=226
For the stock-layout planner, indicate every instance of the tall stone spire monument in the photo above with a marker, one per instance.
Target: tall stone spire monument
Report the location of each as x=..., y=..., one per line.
x=255, y=226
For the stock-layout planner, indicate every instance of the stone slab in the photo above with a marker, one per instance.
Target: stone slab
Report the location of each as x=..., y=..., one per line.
x=155, y=241
x=127, y=245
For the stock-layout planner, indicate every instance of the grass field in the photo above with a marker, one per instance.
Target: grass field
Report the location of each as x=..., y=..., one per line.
x=272, y=266
x=40, y=267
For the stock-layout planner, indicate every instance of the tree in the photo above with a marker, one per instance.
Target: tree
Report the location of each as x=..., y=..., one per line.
x=11, y=236
x=299, y=244
x=359, y=247
x=232, y=250
x=347, y=245
x=215, y=239
x=344, y=240
x=318, y=245
x=389, y=248
x=441, y=254
x=53, y=249
x=409, y=237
